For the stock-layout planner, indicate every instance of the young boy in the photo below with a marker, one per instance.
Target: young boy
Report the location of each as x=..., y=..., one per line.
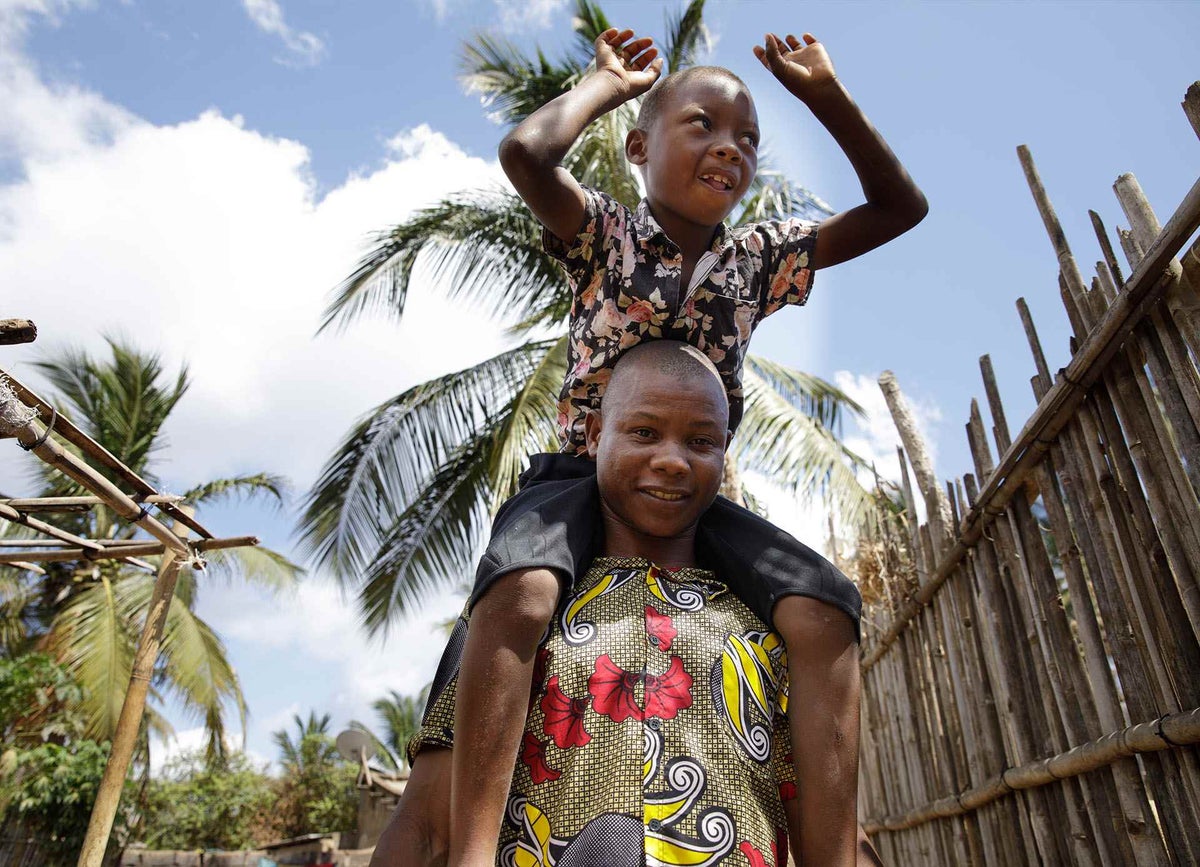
x=671, y=269
x=657, y=730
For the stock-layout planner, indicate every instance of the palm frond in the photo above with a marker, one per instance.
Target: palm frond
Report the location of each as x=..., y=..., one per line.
x=511, y=85
x=91, y=640
x=527, y=425
x=588, y=23
x=773, y=197
x=257, y=565
x=597, y=159
x=481, y=245
x=383, y=464
x=274, y=487
x=813, y=396
x=122, y=403
x=795, y=451
x=432, y=544
x=686, y=36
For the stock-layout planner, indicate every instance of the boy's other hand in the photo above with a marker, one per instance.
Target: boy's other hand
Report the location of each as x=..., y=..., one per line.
x=802, y=67
x=633, y=62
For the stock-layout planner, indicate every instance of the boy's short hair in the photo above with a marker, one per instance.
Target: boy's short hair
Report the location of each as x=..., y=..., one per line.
x=653, y=101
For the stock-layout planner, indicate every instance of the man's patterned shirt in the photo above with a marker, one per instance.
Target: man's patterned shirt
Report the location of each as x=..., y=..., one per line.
x=657, y=729
x=626, y=273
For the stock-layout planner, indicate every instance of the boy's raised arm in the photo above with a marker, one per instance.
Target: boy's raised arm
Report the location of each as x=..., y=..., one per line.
x=531, y=154
x=894, y=203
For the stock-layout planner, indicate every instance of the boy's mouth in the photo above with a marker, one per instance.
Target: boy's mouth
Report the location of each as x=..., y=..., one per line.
x=718, y=181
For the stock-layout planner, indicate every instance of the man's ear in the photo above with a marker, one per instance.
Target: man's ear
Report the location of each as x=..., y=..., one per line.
x=728, y=439
x=592, y=423
x=635, y=147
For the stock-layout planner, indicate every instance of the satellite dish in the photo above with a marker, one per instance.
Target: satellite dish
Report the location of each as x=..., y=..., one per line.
x=354, y=746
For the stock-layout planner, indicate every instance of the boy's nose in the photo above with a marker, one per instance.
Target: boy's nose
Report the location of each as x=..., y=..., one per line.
x=728, y=152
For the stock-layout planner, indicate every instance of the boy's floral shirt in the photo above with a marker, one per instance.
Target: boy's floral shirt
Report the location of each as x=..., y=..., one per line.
x=626, y=274
x=657, y=729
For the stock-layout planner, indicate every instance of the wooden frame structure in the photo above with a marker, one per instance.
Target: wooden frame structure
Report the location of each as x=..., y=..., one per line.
x=1036, y=699
x=20, y=411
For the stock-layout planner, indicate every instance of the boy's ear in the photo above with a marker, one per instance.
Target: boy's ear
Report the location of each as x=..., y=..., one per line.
x=635, y=147
x=592, y=423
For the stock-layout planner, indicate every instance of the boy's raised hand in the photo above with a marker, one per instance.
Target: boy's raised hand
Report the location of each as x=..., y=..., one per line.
x=634, y=62
x=802, y=67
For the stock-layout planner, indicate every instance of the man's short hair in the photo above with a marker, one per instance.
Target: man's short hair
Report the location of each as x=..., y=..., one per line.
x=654, y=100
x=680, y=360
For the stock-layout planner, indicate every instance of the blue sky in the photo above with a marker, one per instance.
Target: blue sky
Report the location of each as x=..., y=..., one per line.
x=199, y=175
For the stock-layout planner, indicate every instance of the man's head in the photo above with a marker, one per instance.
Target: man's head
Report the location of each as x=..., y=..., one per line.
x=696, y=142
x=659, y=441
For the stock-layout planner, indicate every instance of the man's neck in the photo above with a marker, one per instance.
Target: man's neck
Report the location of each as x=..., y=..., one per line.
x=620, y=540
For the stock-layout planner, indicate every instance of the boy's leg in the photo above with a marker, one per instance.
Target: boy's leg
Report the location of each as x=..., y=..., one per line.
x=506, y=625
x=823, y=679
x=418, y=834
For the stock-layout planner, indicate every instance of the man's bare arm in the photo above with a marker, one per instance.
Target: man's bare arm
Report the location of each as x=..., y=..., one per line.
x=531, y=154
x=894, y=203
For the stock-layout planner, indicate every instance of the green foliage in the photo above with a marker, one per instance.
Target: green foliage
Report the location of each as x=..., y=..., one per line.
x=88, y=615
x=52, y=792
x=200, y=804
x=317, y=792
x=38, y=698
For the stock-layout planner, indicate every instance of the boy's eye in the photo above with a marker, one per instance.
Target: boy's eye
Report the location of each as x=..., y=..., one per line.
x=750, y=139
x=703, y=121
x=643, y=432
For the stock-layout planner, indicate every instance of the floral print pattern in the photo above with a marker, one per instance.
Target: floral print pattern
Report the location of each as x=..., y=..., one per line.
x=626, y=275
x=627, y=749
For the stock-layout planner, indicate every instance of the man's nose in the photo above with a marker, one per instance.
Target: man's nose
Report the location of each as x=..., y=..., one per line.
x=670, y=458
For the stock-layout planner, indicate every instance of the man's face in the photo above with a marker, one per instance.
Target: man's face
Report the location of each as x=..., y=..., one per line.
x=660, y=452
x=701, y=152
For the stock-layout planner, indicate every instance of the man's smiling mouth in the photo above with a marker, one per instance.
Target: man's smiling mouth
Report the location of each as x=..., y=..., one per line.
x=668, y=496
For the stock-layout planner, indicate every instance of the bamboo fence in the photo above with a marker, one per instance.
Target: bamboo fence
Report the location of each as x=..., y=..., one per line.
x=20, y=411
x=1032, y=696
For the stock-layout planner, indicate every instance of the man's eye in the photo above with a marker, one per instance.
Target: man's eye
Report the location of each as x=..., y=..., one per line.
x=643, y=432
x=705, y=442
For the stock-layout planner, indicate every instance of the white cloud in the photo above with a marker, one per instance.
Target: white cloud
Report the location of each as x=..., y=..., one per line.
x=207, y=241
x=521, y=15
x=304, y=48
x=191, y=740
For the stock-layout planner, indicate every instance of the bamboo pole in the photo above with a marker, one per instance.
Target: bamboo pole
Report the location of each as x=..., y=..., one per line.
x=64, y=428
x=937, y=511
x=139, y=548
x=1171, y=731
x=1191, y=106
x=13, y=331
x=72, y=504
x=108, y=795
x=1142, y=289
x=89, y=547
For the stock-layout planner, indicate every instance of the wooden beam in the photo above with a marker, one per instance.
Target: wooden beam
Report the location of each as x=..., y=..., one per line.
x=141, y=549
x=13, y=331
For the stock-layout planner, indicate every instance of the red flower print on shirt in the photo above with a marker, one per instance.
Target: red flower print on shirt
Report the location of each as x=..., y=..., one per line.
x=670, y=692
x=533, y=754
x=640, y=311
x=564, y=717
x=754, y=856
x=612, y=688
x=659, y=628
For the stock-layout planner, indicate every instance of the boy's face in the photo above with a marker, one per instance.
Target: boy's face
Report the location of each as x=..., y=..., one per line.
x=660, y=452
x=701, y=151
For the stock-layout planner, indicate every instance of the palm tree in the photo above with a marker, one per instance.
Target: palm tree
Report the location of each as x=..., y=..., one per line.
x=88, y=615
x=400, y=716
x=400, y=507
